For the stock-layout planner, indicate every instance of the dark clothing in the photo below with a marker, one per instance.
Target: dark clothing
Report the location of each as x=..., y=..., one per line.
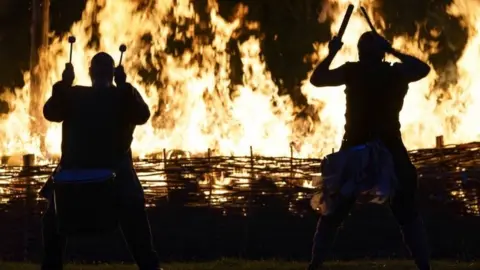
x=98, y=124
x=403, y=206
x=375, y=97
x=97, y=131
x=134, y=226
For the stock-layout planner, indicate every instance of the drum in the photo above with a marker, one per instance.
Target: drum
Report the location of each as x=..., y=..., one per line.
x=85, y=201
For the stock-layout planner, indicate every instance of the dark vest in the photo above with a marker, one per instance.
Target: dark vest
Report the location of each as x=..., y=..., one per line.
x=96, y=132
x=375, y=98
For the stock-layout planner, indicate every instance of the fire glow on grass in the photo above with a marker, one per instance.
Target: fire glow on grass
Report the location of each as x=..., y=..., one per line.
x=200, y=112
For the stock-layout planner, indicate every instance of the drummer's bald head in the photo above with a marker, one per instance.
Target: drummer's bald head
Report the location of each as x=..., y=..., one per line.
x=369, y=48
x=102, y=69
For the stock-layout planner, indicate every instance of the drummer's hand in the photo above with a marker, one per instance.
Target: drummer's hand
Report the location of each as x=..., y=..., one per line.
x=335, y=45
x=384, y=44
x=68, y=74
x=120, y=76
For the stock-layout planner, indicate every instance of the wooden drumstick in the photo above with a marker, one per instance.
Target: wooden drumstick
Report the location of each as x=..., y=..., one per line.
x=345, y=21
x=365, y=14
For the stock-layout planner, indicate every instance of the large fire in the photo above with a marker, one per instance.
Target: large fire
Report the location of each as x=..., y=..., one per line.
x=201, y=108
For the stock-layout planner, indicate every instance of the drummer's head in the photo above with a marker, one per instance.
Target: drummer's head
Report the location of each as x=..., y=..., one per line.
x=102, y=69
x=369, y=48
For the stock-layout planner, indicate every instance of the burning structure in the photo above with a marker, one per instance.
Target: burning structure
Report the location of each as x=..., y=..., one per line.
x=199, y=107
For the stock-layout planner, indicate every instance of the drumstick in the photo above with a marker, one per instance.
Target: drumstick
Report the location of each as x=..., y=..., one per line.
x=365, y=14
x=122, y=49
x=345, y=21
x=71, y=40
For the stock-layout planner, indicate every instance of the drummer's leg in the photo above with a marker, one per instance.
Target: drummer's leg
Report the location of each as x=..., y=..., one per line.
x=136, y=232
x=53, y=243
x=326, y=232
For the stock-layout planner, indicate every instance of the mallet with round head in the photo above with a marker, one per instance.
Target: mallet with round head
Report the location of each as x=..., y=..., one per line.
x=122, y=49
x=71, y=40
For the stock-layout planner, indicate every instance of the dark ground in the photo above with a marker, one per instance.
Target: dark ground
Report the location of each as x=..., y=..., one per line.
x=262, y=265
x=185, y=234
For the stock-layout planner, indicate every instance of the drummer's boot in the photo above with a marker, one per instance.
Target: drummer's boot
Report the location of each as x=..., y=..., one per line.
x=136, y=232
x=415, y=237
x=53, y=243
x=322, y=242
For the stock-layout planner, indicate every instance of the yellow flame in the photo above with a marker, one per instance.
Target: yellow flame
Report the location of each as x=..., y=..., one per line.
x=200, y=108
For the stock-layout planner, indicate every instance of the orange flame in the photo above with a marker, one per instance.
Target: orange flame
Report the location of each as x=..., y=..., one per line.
x=201, y=108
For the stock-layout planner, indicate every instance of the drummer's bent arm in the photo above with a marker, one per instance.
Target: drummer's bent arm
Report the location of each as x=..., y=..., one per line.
x=139, y=113
x=54, y=108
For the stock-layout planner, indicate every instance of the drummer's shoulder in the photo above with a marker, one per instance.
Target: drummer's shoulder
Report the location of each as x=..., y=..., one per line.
x=62, y=85
x=81, y=87
x=80, y=90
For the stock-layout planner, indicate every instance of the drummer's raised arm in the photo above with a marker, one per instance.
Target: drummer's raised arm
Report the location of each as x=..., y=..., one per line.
x=55, y=108
x=138, y=110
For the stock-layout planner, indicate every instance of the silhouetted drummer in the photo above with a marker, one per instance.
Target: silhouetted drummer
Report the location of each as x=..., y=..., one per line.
x=375, y=91
x=97, y=130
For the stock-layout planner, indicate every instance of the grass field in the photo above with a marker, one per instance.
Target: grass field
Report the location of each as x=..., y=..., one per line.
x=259, y=265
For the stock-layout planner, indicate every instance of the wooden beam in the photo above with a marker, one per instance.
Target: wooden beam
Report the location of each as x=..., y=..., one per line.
x=39, y=30
x=439, y=142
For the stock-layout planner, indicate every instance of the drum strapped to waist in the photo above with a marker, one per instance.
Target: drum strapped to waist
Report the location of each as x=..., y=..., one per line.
x=364, y=172
x=85, y=201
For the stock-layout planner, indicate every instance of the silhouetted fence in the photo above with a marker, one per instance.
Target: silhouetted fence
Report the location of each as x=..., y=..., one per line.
x=256, y=207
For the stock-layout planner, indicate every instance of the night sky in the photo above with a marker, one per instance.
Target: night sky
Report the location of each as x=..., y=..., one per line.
x=15, y=19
